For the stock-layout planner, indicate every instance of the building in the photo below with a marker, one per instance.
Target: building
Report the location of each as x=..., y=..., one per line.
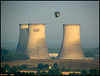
x=36, y=44
x=71, y=44
x=53, y=55
x=89, y=58
x=23, y=37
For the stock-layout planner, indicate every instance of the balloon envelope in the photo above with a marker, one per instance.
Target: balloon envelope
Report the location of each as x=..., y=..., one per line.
x=56, y=14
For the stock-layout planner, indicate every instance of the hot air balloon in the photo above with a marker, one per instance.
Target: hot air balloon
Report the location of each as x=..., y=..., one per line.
x=56, y=14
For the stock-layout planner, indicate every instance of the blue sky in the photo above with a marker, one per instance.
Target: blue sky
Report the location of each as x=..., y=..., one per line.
x=85, y=13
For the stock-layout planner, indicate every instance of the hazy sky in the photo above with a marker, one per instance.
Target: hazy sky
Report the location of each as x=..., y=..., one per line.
x=85, y=13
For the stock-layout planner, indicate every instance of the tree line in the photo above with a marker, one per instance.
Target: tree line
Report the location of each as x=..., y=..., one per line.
x=42, y=68
x=7, y=55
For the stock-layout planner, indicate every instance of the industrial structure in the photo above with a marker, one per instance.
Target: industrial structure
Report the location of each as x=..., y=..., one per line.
x=23, y=37
x=36, y=44
x=71, y=44
x=33, y=43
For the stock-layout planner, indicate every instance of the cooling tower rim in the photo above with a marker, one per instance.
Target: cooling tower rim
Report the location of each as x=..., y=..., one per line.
x=23, y=24
x=36, y=24
x=70, y=24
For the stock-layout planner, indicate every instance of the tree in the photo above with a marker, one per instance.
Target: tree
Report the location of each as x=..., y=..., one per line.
x=68, y=69
x=3, y=71
x=9, y=57
x=63, y=69
x=34, y=68
x=89, y=54
x=55, y=65
x=5, y=51
x=74, y=74
x=21, y=57
x=54, y=71
x=38, y=73
x=71, y=74
x=17, y=73
x=31, y=73
x=46, y=66
x=13, y=70
x=93, y=71
x=6, y=67
x=84, y=72
x=40, y=66
x=44, y=73
x=23, y=66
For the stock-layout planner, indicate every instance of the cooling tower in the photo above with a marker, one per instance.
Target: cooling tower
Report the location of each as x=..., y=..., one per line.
x=71, y=44
x=23, y=37
x=36, y=45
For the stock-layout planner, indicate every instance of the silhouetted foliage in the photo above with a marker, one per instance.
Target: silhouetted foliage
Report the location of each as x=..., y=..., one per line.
x=84, y=72
x=44, y=73
x=40, y=66
x=89, y=54
x=10, y=57
x=74, y=74
x=6, y=66
x=17, y=73
x=3, y=71
x=13, y=70
x=93, y=71
x=55, y=65
x=71, y=74
x=4, y=52
x=23, y=66
x=63, y=69
x=31, y=73
x=46, y=66
x=90, y=72
x=54, y=57
x=23, y=74
x=34, y=68
x=54, y=71
x=39, y=73
x=8, y=75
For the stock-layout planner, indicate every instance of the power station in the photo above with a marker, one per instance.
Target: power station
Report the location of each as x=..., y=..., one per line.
x=33, y=43
x=71, y=44
x=36, y=44
x=23, y=37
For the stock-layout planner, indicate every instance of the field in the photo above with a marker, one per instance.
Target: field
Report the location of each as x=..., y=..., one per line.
x=74, y=64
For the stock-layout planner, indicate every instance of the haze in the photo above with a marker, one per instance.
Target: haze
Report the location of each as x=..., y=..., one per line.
x=85, y=13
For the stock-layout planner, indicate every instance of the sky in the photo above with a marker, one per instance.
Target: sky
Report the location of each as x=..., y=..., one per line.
x=85, y=13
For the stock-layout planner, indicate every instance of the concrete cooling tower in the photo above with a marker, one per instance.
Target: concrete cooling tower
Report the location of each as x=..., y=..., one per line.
x=36, y=45
x=23, y=37
x=71, y=44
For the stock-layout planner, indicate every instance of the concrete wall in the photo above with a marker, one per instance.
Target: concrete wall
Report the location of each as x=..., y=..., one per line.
x=36, y=45
x=23, y=37
x=71, y=44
